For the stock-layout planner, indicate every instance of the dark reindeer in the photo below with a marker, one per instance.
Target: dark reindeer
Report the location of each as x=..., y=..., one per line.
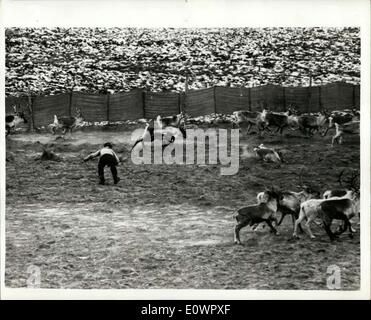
x=66, y=123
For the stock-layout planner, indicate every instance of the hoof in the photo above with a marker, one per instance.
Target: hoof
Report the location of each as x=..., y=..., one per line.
x=312, y=237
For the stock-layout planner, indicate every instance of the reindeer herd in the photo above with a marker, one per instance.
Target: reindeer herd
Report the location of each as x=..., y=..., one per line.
x=339, y=204
x=345, y=122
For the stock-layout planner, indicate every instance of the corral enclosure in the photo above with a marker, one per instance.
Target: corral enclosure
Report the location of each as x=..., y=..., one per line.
x=167, y=226
x=142, y=104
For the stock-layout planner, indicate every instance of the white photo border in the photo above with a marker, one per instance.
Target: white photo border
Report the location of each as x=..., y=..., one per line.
x=197, y=14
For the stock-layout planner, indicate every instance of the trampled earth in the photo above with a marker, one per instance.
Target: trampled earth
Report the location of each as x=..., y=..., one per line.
x=166, y=226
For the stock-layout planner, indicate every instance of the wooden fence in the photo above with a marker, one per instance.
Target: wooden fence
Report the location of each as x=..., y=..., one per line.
x=141, y=104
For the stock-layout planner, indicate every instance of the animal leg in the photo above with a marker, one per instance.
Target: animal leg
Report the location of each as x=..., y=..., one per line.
x=273, y=229
x=297, y=223
x=283, y=215
x=237, y=229
x=294, y=217
x=350, y=228
x=335, y=138
x=327, y=225
x=307, y=225
x=136, y=142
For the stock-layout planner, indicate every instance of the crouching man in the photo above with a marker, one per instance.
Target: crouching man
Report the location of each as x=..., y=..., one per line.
x=107, y=158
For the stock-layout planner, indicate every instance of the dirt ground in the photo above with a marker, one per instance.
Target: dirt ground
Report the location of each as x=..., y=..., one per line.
x=166, y=226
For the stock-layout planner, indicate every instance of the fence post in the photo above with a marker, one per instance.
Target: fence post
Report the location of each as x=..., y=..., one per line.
x=284, y=98
x=214, y=91
x=108, y=102
x=144, y=103
x=70, y=104
x=310, y=96
x=249, y=98
x=30, y=107
x=320, y=96
x=354, y=96
x=186, y=92
x=179, y=103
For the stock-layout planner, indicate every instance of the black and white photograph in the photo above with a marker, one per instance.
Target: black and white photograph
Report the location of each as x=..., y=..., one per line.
x=184, y=157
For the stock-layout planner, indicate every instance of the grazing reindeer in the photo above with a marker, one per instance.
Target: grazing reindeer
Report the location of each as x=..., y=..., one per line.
x=254, y=214
x=341, y=130
x=11, y=121
x=67, y=123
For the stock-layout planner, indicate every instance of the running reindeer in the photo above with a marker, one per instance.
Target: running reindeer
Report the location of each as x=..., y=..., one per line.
x=334, y=208
x=67, y=123
x=257, y=213
x=169, y=127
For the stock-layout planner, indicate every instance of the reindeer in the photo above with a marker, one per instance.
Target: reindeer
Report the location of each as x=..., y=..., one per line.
x=267, y=154
x=340, y=208
x=347, y=186
x=289, y=201
x=309, y=123
x=340, y=117
x=173, y=121
x=67, y=123
x=168, y=126
x=13, y=120
x=343, y=206
x=346, y=128
x=249, y=118
x=280, y=120
x=255, y=214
